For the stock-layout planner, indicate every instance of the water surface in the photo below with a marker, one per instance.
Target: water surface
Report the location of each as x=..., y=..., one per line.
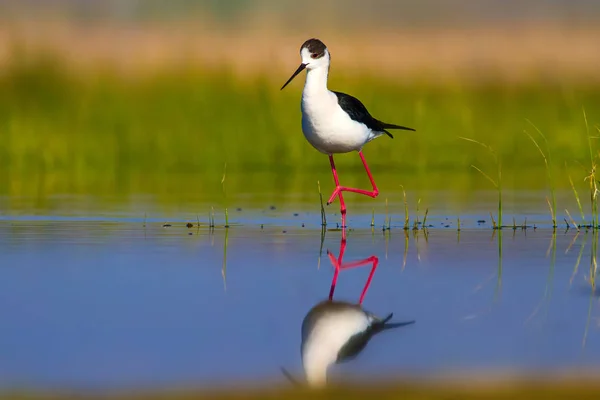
x=110, y=299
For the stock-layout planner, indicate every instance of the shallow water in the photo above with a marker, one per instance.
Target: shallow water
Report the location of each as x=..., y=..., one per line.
x=108, y=298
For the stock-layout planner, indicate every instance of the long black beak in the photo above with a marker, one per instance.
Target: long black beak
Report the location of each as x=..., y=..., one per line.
x=300, y=69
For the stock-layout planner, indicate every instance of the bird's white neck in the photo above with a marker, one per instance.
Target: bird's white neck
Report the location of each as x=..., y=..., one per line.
x=316, y=81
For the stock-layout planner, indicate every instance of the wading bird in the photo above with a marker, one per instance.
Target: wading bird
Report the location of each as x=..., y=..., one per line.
x=335, y=122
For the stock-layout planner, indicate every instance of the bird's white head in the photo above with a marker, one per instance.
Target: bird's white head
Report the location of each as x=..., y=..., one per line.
x=314, y=55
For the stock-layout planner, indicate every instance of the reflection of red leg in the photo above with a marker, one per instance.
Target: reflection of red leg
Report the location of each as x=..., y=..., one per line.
x=373, y=268
x=339, y=189
x=338, y=265
x=339, y=194
x=333, y=282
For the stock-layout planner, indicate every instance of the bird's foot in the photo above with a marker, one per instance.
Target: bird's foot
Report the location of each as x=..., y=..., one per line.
x=374, y=193
x=335, y=194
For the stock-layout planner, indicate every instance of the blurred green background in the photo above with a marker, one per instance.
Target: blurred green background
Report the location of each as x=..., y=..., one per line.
x=120, y=98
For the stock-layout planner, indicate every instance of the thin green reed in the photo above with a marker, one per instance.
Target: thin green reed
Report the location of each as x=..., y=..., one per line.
x=211, y=218
x=323, y=214
x=424, y=224
x=416, y=221
x=497, y=184
x=225, y=195
x=575, y=225
x=388, y=218
x=548, y=164
x=592, y=175
x=581, y=213
x=406, y=216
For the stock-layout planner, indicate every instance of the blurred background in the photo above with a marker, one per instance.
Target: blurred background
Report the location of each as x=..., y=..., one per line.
x=154, y=97
x=127, y=125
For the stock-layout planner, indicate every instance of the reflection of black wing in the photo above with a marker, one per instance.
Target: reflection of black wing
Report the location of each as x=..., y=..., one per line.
x=359, y=113
x=358, y=342
x=355, y=345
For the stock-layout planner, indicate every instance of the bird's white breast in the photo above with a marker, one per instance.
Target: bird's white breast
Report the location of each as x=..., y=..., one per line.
x=328, y=127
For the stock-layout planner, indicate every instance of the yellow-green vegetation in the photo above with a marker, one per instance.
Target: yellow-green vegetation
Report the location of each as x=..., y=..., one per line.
x=169, y=134
x=547, y=163
x=497, y=183
x=579, y=389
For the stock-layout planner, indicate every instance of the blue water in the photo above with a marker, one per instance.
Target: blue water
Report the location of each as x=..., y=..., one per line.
x=116, y=303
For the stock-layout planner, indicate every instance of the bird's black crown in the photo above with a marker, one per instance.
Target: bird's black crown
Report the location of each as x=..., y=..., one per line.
x=316, y=48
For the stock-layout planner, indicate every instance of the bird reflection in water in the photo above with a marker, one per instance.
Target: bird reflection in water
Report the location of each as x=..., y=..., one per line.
x=336, y=331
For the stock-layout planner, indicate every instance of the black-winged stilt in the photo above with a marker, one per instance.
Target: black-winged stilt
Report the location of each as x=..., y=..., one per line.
x=335, y=122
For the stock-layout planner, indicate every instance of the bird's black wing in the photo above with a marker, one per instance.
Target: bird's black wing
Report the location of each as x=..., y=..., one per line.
x=359, y=113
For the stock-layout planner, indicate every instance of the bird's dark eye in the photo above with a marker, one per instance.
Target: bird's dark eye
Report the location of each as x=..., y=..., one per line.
x=314, y=55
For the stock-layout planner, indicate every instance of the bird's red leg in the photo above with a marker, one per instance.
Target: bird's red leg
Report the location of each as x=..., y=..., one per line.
x=337, y=192
x=339, y=189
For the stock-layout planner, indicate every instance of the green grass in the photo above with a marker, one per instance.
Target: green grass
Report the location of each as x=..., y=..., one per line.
x=169, y=134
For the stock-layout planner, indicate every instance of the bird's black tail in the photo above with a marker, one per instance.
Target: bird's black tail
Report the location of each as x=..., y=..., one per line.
x=392, y=126
x=385, y=126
